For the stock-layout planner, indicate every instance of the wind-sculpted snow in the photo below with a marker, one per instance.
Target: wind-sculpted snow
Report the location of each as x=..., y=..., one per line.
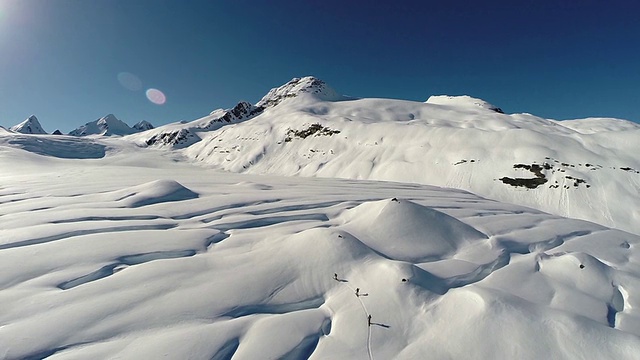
x=154, y=192
x=137, y=256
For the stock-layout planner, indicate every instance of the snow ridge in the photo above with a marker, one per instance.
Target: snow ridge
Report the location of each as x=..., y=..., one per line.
x=181, y=135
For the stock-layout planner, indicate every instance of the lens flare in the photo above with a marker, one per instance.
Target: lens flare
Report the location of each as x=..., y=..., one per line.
x=129, y=81
x=156, y=96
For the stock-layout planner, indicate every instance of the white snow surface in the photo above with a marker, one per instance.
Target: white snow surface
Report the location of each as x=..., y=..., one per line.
x=135, y=254
x=592, y=171
x=463, y=101
x=30, y=126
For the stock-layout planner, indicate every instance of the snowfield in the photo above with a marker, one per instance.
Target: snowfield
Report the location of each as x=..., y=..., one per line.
x=267, y=233
x=135, y=255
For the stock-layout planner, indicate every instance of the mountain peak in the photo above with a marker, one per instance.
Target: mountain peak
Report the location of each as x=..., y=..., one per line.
x=297, y=86
x=107, y=126
x=30, y=126
x=143, y=126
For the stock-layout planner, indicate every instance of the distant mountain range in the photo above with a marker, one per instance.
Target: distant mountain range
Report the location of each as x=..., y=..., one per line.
x=106, y=126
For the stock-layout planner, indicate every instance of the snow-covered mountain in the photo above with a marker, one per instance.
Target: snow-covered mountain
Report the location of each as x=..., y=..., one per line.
x=308, y=85
x=582, y=168
x=30, y=126
x=142, y=126
x=184, y=134
x=107, y=126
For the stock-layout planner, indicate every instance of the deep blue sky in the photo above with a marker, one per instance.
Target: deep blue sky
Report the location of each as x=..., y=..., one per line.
x=59, y=59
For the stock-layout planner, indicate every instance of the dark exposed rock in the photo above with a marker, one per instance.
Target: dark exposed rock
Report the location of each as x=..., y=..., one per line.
x=177, y=138
x=530, y=183
x=313, y=129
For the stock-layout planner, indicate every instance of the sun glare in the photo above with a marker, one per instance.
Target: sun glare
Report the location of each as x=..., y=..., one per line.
x=156, y=96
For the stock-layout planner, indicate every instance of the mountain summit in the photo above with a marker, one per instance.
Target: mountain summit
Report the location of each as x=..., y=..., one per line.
x=30, y=126
x=143, y=126
x=298, y=86
x=108, y=125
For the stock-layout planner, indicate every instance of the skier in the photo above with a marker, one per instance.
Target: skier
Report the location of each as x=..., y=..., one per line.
x=357, y=291
x=369, y=320
x=335, y=277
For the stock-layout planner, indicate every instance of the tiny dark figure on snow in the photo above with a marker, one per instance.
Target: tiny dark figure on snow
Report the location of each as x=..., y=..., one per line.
x=369, y=320
x=335, y=277
x=357, y=291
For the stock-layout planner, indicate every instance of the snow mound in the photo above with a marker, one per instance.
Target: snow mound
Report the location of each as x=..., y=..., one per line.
x=296, y=87
x=154, y=192
x=30, y=126
x=106, y=126
x=463, y=101
x=404, y=230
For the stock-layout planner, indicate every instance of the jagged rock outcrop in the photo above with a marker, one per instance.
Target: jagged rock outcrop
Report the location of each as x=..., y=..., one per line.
x=177, y=139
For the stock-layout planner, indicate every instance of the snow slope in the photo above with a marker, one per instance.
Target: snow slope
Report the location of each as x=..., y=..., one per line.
x=586, y=169
x=30, y=126
x=182, y=134
x=135, y=255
